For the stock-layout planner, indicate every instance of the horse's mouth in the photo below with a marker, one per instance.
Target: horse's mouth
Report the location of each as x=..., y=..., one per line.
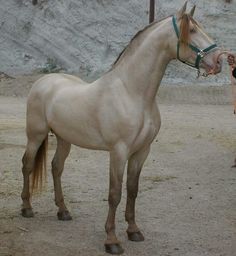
x=212, y=69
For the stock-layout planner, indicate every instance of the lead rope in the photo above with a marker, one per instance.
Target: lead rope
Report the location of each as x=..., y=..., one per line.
x=233, y=80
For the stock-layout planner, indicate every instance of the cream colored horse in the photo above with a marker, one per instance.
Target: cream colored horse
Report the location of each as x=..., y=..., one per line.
x=117, y=113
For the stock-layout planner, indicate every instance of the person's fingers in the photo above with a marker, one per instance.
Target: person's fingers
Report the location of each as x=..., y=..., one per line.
x=231, y=55
x=231, y=59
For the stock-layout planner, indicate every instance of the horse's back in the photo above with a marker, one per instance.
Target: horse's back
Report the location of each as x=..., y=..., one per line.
x=48, y=86
x=56, y=81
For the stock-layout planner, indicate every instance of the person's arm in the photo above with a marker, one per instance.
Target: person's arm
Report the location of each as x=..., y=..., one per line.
x=232, y=62
x=234, y=72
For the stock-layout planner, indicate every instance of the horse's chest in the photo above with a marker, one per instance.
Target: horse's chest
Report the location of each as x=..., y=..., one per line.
x=148, y=131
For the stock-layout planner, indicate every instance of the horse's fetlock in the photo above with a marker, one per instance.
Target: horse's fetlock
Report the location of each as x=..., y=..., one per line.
x=59, y=202
x=110, y=228
x=129, y=216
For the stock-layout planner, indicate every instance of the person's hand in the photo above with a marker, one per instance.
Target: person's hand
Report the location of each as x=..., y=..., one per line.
x=231, y=60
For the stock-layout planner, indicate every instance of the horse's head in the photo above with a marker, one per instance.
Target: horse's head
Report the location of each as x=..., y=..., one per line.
x=193, y=46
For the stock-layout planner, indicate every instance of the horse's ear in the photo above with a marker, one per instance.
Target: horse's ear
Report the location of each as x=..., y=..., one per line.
x=192, y=11
x=182, y=10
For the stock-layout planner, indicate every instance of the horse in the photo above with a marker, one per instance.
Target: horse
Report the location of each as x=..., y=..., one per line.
x=116, y=113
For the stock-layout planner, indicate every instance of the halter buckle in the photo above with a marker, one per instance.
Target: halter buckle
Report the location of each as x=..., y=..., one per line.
x=201, y=53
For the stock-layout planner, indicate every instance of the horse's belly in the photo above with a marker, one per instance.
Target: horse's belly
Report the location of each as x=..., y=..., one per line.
x=85, y=138
x=76, y=129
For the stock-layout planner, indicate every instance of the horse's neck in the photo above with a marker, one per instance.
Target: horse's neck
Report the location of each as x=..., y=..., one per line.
x=141, y=69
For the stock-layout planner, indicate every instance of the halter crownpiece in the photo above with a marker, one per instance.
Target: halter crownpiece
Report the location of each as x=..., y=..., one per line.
x=200, y=52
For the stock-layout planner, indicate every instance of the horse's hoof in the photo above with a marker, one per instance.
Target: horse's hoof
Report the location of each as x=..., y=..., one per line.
x=65, y=215
x=114, y=249
x=27, y=212
x=135, y=236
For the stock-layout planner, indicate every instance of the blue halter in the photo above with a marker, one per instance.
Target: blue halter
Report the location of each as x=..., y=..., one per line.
x=200, y=52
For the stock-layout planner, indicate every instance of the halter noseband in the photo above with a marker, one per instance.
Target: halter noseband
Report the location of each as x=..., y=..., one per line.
x=200, y=52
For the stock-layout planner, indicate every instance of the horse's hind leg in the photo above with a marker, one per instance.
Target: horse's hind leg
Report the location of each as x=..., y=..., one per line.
x=28, y=161
x=62, y=151
x=135, y=165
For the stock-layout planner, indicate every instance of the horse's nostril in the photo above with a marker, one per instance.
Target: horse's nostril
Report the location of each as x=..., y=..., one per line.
x=219, y=62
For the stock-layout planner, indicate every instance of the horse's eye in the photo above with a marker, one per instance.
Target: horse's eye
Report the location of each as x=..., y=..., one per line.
x=192, y=30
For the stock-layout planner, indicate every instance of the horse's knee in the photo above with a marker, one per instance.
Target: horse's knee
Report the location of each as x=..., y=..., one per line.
x=114, y=197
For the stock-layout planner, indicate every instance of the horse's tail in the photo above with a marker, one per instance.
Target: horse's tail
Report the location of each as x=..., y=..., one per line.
x=39, y=173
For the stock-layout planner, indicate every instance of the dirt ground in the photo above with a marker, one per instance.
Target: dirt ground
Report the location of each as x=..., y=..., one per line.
x=187, y=197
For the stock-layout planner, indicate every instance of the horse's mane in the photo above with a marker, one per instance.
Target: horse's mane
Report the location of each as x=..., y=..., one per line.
x=183, y=37
x=134, y=38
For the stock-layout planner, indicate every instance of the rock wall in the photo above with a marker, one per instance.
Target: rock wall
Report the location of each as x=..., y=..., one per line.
x=85, y=37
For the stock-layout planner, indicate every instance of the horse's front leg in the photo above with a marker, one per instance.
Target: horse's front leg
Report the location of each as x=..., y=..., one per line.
x=118, y=158
x=135, y=165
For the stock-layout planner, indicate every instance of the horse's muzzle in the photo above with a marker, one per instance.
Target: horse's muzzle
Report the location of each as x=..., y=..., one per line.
x=212, y=63
x=218, y=64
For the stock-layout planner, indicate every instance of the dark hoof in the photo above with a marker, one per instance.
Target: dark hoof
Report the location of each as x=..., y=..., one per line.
x=114, y=249
x=233, y=166
x=65, y=215
x=27, y=212
x=135, y=236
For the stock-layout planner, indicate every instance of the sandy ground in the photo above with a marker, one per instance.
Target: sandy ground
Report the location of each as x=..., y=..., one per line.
x=187, y=198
